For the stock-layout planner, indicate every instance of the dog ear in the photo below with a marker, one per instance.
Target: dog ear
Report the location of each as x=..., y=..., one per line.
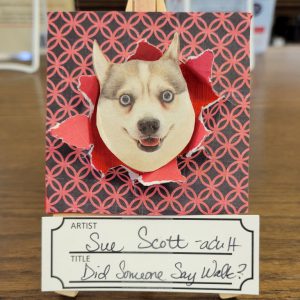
x=100, y=63
x=174, y=49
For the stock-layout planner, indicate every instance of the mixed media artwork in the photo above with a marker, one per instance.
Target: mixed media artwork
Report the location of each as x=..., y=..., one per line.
x=147, y=113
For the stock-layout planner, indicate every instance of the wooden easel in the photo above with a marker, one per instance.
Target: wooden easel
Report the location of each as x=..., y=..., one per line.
x=138, y=6
x=146, y=5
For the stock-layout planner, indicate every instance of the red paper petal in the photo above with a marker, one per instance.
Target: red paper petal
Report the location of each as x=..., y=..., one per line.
x=197, y=72
x=102, y=158
x=201, y=66
x=199, y=133
x=167, y=173
x=75, y=131
x=89, y=87
x=147, y=52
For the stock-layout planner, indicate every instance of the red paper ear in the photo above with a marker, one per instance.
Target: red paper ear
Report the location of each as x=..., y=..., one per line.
x=75, y=131
x=146, y=52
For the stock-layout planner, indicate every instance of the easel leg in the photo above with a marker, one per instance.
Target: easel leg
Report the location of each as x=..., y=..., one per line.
x=226, y=296
x=70, y=294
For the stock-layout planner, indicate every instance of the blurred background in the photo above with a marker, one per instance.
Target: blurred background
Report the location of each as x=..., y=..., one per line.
x=275, y=139
x=23, y=26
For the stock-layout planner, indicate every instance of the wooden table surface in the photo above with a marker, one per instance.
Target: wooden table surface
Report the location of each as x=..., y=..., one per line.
x=274, y=181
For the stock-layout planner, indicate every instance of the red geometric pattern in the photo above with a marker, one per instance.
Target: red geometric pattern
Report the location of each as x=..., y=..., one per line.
x=217, y=178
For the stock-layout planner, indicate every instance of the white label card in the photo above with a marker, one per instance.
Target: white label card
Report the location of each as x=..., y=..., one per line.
x=209, y=254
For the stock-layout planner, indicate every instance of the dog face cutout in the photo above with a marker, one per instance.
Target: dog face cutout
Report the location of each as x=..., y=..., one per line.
x=144, y=114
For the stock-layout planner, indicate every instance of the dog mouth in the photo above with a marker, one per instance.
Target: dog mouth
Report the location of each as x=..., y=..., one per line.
x=149, y=144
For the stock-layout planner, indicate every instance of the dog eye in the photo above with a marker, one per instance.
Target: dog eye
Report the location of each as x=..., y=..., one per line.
x=167, y=96
x=126, y=100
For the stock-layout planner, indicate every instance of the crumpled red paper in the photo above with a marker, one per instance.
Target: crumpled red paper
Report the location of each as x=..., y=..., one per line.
x=81, y=130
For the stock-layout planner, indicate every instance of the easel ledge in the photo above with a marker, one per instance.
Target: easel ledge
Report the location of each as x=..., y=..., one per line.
x=135, y=6
x=146, y=5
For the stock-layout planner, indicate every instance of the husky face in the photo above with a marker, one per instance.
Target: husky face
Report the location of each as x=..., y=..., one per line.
x=144, y=114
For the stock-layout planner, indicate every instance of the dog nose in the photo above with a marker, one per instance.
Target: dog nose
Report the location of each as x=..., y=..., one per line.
x=148, y=126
